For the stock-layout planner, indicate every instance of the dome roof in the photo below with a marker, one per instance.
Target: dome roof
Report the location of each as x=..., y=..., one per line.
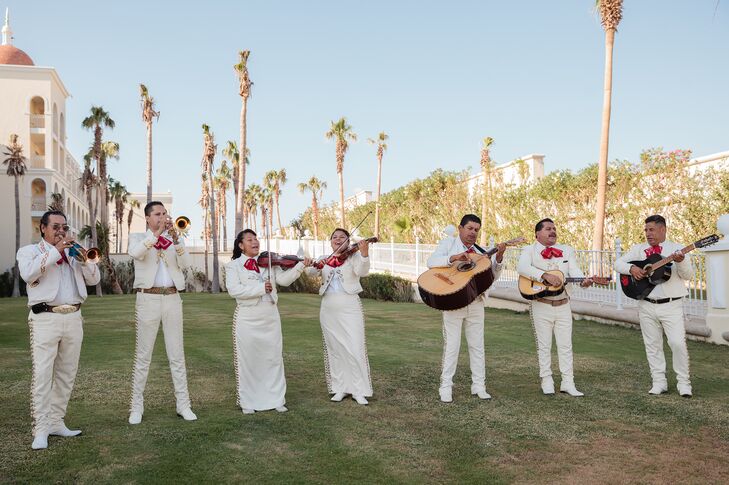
x=12, y=55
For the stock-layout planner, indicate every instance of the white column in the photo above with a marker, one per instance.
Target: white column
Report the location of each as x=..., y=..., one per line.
x=717, y=285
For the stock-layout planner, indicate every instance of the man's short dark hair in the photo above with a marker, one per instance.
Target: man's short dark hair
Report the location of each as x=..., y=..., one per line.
x=470, y=218
x=148, y=207
x=47, y=215
x=657, y=219
x=541, y=223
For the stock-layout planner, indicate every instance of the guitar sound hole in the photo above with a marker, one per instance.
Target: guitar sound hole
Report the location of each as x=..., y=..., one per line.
x=466, y=266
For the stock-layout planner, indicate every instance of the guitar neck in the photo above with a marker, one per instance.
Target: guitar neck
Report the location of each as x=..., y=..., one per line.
x=575, y=280
x=669, y=259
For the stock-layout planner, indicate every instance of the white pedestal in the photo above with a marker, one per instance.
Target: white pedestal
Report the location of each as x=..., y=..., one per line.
x=717, y=285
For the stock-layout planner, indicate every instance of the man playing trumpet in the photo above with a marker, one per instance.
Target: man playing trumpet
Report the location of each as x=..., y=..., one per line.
x=159, y=256
x=56, y=289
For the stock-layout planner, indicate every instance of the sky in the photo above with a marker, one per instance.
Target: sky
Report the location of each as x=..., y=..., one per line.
x=437, y=77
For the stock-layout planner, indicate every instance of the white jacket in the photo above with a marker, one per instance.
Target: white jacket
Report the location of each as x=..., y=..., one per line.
x=355, y=267
x=674, y=287
x=38, y=268
x=146, y=260
x=533, y=265
x=247, y=287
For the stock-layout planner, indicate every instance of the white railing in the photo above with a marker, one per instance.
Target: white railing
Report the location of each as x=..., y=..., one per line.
x=410, y=260
x=37, y=121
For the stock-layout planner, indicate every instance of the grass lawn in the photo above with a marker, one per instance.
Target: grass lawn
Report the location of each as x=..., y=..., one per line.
x=616, y=434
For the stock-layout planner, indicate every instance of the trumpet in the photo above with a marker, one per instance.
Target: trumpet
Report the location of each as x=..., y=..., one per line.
x=91, y=255
x=181, y=226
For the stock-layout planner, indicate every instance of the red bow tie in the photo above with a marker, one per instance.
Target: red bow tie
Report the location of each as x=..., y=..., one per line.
x=162, y=243
x=252, y=265
x=63, y=259
x=471, y=250
x=653, y=250
x=334, y=262
x=551, y=252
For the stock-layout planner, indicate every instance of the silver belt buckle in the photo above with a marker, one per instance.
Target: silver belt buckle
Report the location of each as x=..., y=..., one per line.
x=64, y=309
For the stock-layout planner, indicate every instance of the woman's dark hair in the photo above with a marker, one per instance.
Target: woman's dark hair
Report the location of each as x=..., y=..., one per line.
x=346, y=232
x=237, y=251
x=47, y=215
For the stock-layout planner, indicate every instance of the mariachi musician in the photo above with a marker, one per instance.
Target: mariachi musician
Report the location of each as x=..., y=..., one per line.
x=346, y=365
x=450, y=251
x=57, y=271
x=552, y=314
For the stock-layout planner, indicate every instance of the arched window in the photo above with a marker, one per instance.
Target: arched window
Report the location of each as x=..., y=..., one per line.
x=62, y=134
x=38, y=195
x=55, y=119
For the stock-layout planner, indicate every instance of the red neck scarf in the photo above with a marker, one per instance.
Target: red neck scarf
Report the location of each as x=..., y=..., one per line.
x=653, y=250
x=334, y=262
x=551, y=252
x=63, y=259
x=162, y=243
x=252, y=265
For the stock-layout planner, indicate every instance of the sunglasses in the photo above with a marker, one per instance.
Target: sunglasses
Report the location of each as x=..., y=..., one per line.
x=58, y=227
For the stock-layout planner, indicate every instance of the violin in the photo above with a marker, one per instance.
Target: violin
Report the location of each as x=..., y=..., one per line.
x=284, y=261
x=343, y=254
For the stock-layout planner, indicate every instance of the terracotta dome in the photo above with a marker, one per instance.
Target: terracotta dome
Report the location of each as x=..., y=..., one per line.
x=12, y=55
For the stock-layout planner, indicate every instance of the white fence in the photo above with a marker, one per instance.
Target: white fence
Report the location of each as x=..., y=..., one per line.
x=409, y=261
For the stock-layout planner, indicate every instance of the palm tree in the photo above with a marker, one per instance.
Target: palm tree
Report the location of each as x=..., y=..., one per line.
x=133, y=204
x=231, y=151
x=15, y=161
x=264, y=196
x=252, y=197
x=222, y=184
x=88, y=183
x=316, y=187
x=148, y=115
x=343, y=134
x=381, y=147
x=278, y=180
x=486, y=169
x=98, y=120
x=119, y=195
x=205, y=204
x=56, y=202
x=209, y=150
x=611, y=12
x=244, y=90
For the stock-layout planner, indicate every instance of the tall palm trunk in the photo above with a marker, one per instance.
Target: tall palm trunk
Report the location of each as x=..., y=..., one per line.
x=379, y=186
x=278, y=213
x=598, y=234
x=315, y=208
x=16, y=271
x=213, y=229
x=485, y=193
x=207, y=249
x=240, y=193
x=149, y=161
x=341, y=198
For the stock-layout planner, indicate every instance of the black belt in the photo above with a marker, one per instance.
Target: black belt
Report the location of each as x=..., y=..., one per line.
x=661, y=300
x=44, y=307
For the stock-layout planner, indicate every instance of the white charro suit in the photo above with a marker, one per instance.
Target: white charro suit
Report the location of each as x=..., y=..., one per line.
x=546, y=318
x=471, y=317
x=158, y=268
x=257, y=338
x=346, y=364
x=55, y=338
x=659, y=318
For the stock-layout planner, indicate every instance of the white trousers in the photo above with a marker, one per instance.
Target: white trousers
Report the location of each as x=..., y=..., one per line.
x=150, y=311
x=346, y=365
x=55, y=346
x=655, y=320
x=258, y=356
x=470, y=317
x=557, y=320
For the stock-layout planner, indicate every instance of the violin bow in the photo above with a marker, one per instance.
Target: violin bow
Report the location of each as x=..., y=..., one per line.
x=268, y=242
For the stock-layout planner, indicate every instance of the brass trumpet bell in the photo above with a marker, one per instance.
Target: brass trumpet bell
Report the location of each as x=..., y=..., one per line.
x=92, y=255
x=182, y=223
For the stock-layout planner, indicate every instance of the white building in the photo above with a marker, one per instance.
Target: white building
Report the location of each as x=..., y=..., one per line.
x=719, y=161
x=33, y=106
x=527, y=169
x=361, y=197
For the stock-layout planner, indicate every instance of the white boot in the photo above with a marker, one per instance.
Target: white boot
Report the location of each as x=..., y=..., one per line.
x=40, y=442
x=338, y=397
x=548, y=385
x=187, y=415
x=658, y=388
x=360, y=399
x=135, y=417
x=568, y=387
x=248, y=411
x=282, y=409
x=62, y=430
x=684, y=390
x=446, y=394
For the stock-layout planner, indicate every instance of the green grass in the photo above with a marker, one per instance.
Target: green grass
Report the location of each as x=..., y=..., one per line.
x=617, y=433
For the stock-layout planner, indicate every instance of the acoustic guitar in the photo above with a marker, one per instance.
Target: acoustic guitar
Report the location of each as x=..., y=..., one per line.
x=533, y=289
x=659, y=270
x=457, y=286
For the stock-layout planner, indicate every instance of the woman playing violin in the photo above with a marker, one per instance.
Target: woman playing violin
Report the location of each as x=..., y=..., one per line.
x=258, y=343
x=347, y=367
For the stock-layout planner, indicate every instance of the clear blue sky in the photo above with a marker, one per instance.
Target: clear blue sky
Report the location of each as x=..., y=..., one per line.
x=436, y=76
